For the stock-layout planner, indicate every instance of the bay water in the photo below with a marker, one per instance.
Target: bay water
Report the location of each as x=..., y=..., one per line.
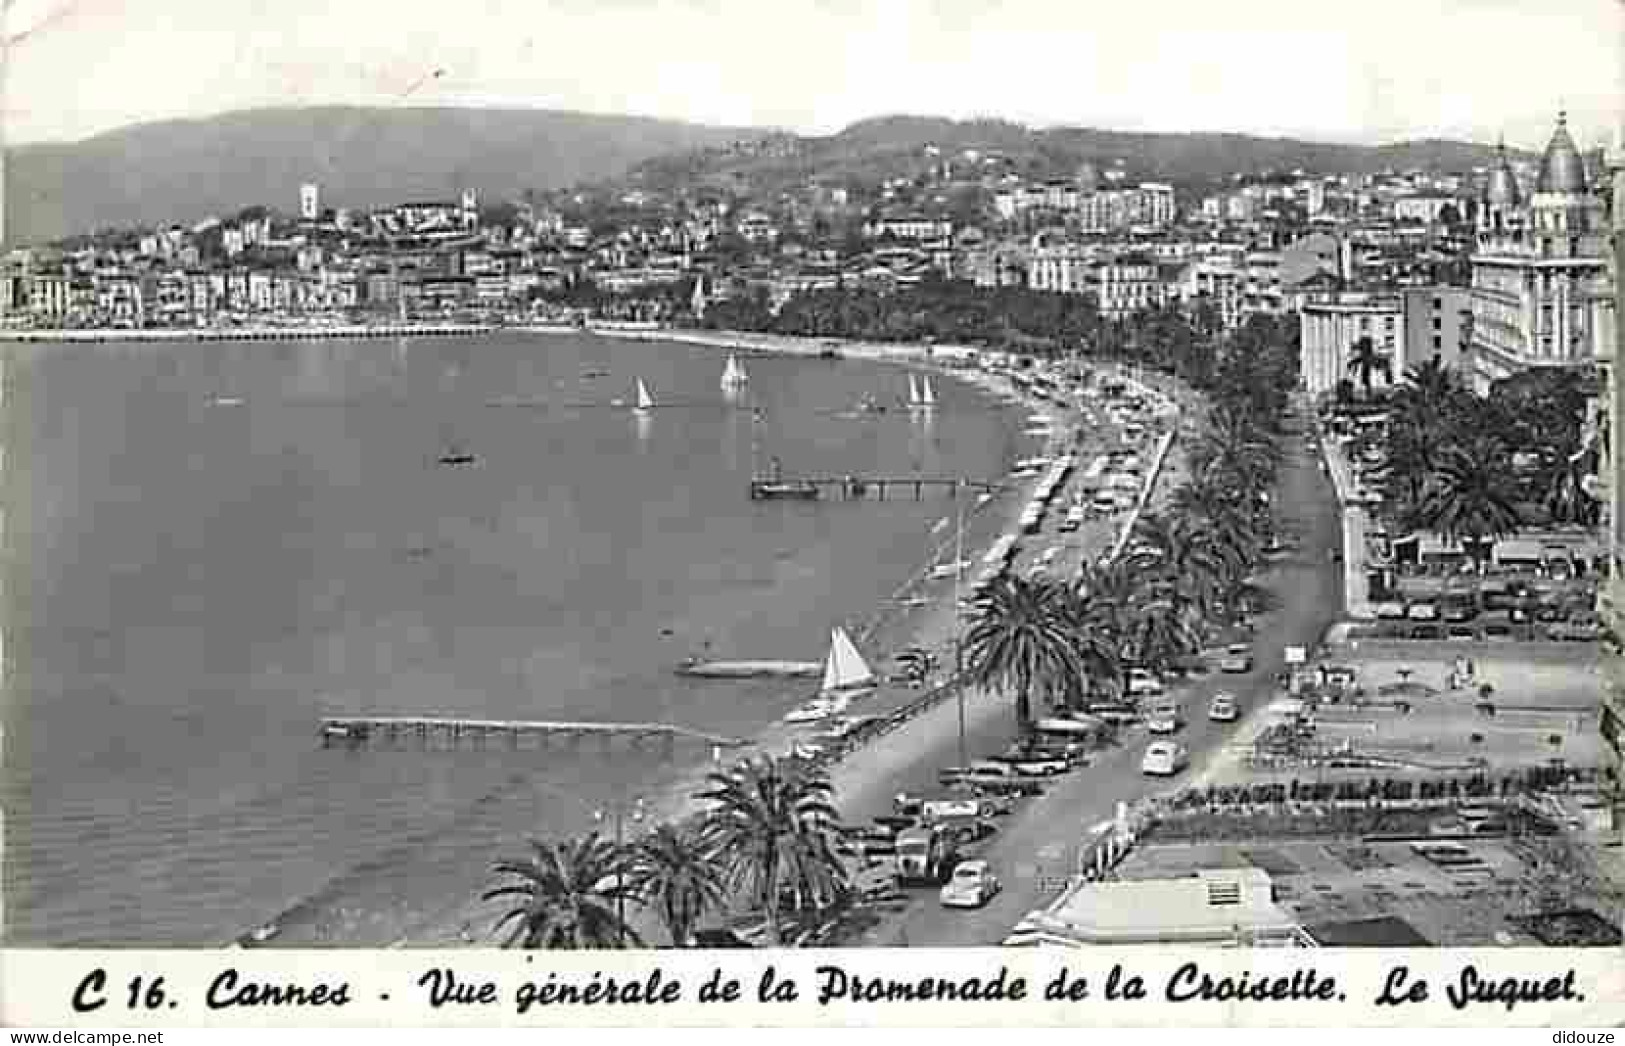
x=211, y=545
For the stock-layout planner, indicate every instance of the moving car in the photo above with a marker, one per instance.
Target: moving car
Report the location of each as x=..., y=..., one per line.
x=971, y=886
x=1164, y=759
x=1223, y=709
x=1238, y=658
x=1164, y=719
x=925, y=853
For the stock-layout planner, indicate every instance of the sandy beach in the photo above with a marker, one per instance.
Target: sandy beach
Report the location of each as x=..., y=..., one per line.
x=865, y=779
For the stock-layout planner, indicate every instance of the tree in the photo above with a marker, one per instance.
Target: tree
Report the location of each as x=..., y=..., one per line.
x=677, y=874
x=771, y=823
x=1021, y=640
x=1472, y=499
x=1365, y=360
x=566, y=895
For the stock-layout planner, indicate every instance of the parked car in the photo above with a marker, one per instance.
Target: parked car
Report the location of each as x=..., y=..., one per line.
x=1457, y=611
x=1036, y=764
x=972, y=885
x=1164, y=719
x=1142, y=682
x=1164, y=759
x=1224, y=708
x=1423, y=611
x=1238, y=657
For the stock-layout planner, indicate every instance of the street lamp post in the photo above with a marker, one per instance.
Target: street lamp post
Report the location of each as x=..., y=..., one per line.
x=617, y=814
x=959, y=630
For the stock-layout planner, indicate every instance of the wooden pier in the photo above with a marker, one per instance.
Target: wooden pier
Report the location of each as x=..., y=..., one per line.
x=429, y=731
x=880, y=488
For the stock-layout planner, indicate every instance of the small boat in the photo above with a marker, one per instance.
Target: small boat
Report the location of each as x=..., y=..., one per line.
x=593, y=372
x=733, y=375
x=845, y=669
x=846, y=676
x=748, y=669
x=947, y=570
x=227, y=401
x=645, y=402
x=818, y=709
x=774, y=487
x=786, y=491
x=457, y=456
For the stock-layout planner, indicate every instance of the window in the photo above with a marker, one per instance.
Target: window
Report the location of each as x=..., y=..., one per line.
x=1438, y=324
x=1438, y=343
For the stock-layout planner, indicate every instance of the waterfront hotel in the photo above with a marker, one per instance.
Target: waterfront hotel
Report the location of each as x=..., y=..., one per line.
x=1540, y=294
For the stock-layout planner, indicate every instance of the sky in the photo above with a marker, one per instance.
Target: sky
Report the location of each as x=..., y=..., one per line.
x=1357, y=70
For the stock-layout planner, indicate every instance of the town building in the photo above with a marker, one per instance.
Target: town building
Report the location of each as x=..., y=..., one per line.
x=1438, y=326
x=310, y=202
x=1125, y=286
x=1611, y=489
x=1230, y=907
x=1539, y=274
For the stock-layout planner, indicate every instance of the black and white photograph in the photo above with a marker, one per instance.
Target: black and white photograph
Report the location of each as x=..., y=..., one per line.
x=811, y=475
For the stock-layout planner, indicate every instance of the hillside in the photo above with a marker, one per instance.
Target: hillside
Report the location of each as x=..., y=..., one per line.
x=888, y=146
x=184, y=170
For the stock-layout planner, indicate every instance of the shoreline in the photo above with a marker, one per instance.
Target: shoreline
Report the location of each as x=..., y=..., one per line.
x=932, y=628
x=865, y=775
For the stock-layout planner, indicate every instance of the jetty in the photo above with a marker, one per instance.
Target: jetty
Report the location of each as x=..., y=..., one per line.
x=358, y=730
x=880, y=488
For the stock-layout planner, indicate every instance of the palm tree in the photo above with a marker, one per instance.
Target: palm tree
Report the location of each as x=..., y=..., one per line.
x=1021, y=640
x=1091, y=616
x=1162, y=628
x=566, y=895
x=1365, y=359
x=1473, y=498
x=1431, y=382
x=673, y=871
x=771, y=824
x=1565, y=494
x=1177, y=550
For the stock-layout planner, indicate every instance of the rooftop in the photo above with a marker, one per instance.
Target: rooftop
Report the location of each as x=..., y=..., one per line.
x=1214, y=906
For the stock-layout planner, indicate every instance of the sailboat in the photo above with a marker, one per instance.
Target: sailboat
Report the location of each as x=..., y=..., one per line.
x=846, y=675
x=646, y=402
x=733, y=375
x=913, y=392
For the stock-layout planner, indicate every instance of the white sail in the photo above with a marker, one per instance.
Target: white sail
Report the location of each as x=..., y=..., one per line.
x=733, y=373
x=845, y=668
x=928, y=395
x=646, y=402
x=913, y=390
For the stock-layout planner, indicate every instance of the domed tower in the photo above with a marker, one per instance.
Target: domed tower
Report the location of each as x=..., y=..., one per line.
x=1566, y=216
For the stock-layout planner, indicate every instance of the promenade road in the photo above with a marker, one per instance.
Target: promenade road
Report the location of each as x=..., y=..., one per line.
x=1036, y=847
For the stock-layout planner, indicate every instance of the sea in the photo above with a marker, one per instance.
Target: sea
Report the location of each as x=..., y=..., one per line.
x=209, y=546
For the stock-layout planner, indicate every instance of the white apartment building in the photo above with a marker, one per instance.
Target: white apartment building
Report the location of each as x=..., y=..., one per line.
x=1329, y=330
x=1063, y=268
